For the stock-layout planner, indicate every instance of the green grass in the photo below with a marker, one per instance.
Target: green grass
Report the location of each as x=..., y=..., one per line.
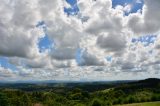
x=143, y=104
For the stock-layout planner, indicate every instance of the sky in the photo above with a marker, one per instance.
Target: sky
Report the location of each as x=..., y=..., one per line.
x=79, y=40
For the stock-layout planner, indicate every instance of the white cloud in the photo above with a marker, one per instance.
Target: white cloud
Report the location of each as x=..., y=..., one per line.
x=89, y=59
x=18, y=34
x=112, y=42
x=127, y=8
x=105, y=32
x=148, y=21
x=138, y=1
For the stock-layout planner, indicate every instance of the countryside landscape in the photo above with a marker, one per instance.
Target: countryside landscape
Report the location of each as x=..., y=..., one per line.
x=79, y=53
x=114, y=93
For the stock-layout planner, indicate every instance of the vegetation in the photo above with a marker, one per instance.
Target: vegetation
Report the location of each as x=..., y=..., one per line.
x=81, y=94
x=142, y=104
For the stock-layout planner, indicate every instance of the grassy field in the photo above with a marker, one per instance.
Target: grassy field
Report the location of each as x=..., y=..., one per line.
x=143, y=104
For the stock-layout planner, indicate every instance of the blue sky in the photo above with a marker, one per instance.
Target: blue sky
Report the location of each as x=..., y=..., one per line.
x=74, y=8
x=87, y=38
x=145, y=40
x=135, y=5
x=6, y=64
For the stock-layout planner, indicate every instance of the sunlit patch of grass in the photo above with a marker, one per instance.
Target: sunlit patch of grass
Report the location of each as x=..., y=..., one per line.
x=143, y=104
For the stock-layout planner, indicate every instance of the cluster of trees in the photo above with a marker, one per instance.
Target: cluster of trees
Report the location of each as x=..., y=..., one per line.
x=113, y=97
x=77, y=97
x=123, y=94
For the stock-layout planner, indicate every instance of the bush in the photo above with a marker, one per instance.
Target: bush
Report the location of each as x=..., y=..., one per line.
x=132, y=99
x=108, y=103
x=96, y=102
x=3, y=100
x=155, y=97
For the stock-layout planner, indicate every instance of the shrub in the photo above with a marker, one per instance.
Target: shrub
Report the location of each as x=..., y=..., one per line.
x=96, y=102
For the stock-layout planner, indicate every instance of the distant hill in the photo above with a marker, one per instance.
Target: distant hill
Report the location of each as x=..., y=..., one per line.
x=150, y=80
x=87, y=86
x=150, y=83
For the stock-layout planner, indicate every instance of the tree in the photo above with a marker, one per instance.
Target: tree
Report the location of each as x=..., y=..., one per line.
x=132, y=99
x=96, y=102
x=3, y=100
x=26, y=100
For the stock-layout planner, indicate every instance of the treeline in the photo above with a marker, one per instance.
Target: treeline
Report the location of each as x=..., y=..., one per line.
x=77, y=97
x=122, y=94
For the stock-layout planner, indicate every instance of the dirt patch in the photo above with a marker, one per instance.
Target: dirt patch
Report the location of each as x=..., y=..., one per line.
x=37, y=104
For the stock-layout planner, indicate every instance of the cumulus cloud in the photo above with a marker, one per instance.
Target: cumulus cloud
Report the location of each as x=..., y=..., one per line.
x=64, y=53
x=148, y=21
x=5, y=73
x=18, y=34
x=112, y=42
x=97, y=30
x=89, y=59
